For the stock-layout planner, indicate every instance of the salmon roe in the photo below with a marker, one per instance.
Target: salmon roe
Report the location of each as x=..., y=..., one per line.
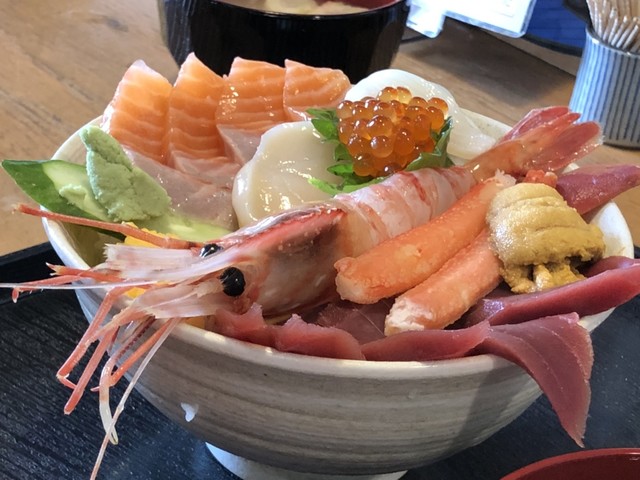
x=386, y=133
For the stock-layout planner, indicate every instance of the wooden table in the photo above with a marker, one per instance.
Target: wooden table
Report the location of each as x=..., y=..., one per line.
x=63, y=60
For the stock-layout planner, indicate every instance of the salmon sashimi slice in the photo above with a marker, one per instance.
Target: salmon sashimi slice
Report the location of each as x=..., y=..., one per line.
x=137, y=114
x=253, y=97
x=191, y=122
x=310, y=87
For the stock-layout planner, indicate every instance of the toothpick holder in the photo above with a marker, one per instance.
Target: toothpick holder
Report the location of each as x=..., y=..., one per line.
x=607, y=90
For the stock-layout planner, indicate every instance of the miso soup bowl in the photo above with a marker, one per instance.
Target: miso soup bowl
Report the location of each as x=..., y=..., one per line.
x=316, y=415
x=218, y=31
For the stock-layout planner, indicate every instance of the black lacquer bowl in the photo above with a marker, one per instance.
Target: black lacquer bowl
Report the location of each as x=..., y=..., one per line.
x=356, y=43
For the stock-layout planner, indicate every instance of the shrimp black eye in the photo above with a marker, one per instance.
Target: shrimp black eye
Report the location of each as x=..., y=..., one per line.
x=232, y=281
x=210, y=249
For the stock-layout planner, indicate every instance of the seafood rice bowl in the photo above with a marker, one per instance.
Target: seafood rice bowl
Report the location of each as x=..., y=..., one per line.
x=321, y=415
x=404, y=288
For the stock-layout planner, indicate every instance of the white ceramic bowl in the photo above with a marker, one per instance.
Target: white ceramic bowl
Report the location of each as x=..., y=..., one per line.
x=331, y=417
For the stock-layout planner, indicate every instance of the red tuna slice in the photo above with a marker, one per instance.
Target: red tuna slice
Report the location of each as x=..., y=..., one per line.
x=298, y=336
x=557, y=352
x=427, y=345
x=610, y=263
x=295, y=336
x=364, y=322
x=591, y=186
x=249, y=326
x=592, y=295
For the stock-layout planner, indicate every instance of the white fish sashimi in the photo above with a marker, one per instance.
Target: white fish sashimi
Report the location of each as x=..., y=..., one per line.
x=467, y=139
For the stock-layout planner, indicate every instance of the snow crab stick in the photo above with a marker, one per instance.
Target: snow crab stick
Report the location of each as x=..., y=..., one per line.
x=404, y=261
x=431, y=305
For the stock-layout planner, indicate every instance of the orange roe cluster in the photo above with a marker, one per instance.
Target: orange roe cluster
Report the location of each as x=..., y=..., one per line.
x=386, y=133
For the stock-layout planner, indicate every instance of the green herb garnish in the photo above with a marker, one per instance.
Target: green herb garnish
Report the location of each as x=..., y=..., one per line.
x=326, y=122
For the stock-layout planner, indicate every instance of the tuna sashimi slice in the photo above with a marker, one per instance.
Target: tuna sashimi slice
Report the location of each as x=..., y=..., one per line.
x=426, y=345
x=137, y=114
x=295, y=336
x=308, y=87
x=364, y=322
x=249, y=326
x=595, y=294
x=298, y=336
x=590, y=186
x=557, y=353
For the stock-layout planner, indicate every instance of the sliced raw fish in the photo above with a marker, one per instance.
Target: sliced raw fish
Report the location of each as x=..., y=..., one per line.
x=192, y=196
x=310, y=87
x=424, y=345
x=137, y=114
x=249, y=326
x=595, y=294
x=194, y=144
x=557, y=352
x=364, y=322
x=295, y=336
x=298, y=336
x=253, y=96
x=590, y=186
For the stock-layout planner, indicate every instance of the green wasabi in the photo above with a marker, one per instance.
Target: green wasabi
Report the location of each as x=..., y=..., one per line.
x=125, y=191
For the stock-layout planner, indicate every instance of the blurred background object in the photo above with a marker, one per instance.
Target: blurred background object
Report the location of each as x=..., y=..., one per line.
x=218, y=31
x=607, y=87
x=552, y=30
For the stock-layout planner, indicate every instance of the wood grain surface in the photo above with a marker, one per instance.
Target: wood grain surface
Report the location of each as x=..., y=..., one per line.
x=61, y=62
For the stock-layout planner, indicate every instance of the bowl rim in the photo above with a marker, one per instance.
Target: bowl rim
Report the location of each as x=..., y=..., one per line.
x=545, y=463
x=269, y=357
x=308, y=16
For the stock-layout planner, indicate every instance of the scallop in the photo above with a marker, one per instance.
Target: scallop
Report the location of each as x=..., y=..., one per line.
x=467, y=139
x=277, y=177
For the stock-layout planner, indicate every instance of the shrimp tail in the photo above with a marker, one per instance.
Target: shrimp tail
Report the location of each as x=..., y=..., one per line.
x=548, y=140
x=534, y=119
